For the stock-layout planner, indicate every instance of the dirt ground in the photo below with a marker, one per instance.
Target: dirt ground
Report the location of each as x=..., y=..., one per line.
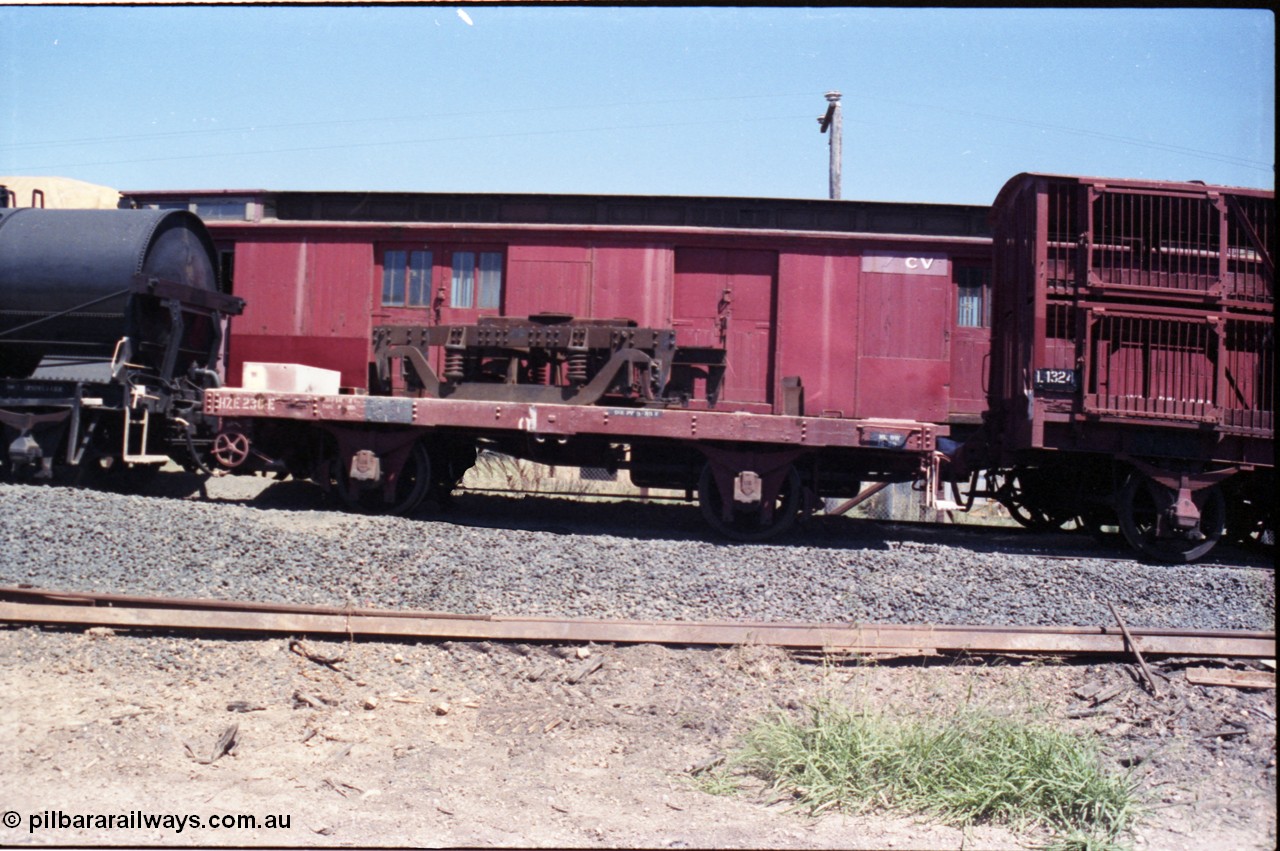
x=486, y=744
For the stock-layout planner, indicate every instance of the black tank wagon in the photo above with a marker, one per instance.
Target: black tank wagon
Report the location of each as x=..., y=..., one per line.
x=111, y=328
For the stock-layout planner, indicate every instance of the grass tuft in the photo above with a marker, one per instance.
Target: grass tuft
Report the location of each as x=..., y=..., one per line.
x=967, y=768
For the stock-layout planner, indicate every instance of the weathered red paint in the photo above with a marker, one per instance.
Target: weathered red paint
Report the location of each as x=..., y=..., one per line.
x=310, y=299
x=863, y=340
x=819, y=299
x=551, y=421
x=1153, y=300
x=724, y=300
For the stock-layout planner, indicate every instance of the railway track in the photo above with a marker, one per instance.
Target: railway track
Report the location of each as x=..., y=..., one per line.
x=45, y=607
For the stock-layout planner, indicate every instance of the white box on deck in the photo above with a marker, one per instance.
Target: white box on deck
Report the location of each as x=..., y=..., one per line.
x=290, y=378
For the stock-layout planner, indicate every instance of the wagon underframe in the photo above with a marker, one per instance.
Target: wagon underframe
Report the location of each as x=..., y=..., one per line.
x=749, y=487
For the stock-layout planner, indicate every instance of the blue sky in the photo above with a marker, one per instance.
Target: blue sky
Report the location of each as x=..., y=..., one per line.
x=939, y=105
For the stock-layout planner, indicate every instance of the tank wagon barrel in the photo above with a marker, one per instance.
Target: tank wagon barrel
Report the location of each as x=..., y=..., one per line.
x=111, y=323
x=74, y=282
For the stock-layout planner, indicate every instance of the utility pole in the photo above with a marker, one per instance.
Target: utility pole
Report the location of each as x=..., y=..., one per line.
x=832, y=121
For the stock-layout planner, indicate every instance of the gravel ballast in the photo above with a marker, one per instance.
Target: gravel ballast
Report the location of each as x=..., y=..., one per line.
x=281, y=542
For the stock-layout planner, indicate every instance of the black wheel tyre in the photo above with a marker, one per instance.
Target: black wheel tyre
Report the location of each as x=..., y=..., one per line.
x=1022, y=495
x=411, y=487
x=748, y=525
x=1141, y=501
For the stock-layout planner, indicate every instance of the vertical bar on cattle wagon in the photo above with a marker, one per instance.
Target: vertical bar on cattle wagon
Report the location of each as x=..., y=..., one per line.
x=1106, y=362
x=1143, y=385
x=1164, y=349
x=1142, y=252
x=1147, y=399
x=1129, y=270
x=1260, y=336
x=1113, y=364
x=1200, y=256
x=1118, y=369
x=1158, y=224
x=1217, y=333
x=1080, y=229
x=1040, y=304
x=1218, y=243
x=1165, y=335
x=1140, y=386
x=1121, y=219
x=1192, y=369
x=1166, y=260
x=1088, y=350
x=1188, y=346
x=1105, y=234
x=1097, y=225
x=1238, y=402
x=1195, y=240
x=1199, y=362
x=1224, y=249
x=1198, y=351
x=1095, y=221
x=1117, y=366
x=1201, y=260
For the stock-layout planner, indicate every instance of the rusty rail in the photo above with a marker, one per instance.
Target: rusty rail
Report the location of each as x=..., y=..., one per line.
x=34, y=606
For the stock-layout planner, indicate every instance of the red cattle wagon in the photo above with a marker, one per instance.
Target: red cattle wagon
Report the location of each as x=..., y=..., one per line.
x=1133, y=365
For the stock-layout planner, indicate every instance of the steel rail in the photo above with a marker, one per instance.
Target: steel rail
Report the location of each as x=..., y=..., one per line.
x=35, y=606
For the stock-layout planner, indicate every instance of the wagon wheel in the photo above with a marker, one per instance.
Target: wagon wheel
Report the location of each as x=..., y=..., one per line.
x=1029, y=499
x=750, y=524
x=368, y=497
x=1141, y=503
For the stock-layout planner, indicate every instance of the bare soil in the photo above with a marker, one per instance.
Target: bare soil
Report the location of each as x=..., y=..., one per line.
x=488, y=744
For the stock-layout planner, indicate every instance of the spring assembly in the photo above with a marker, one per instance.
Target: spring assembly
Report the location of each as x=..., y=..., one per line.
x=577, y=367
x=454, y=365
